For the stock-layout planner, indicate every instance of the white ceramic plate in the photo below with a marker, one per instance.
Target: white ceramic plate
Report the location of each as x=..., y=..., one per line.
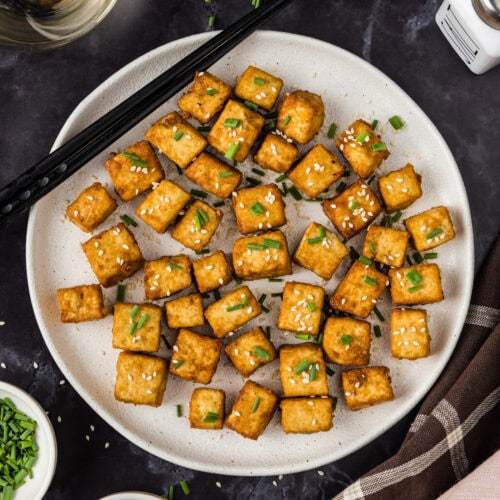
x=131, y=495
x=351, y=88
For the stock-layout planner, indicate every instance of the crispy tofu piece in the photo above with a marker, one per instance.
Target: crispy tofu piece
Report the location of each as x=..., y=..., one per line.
x=357, y=144
x=276, y=153
x=232, y=311
x=129, y=175
x=431, y=228
x=366, y=386
x=167, y=275
x=419, y=284
x=113, y=255
x=386, y=245
x=81, y=303
x=212, y=271
x=409, y=334
x=213, y=175
x=260, y=260
x=400, y=188
x=259, y=87
x=300, y=115
x=244, y=135
x=252, y=410
x=141, y=379
x=207, y=408
x=306, y=415
x=359, y=291
x=205, y=98
x=185, y=312
x=195, y=357
x=303, y=370
x=176, y=139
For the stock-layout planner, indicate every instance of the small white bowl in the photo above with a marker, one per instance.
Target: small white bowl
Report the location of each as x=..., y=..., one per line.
x=131, y=495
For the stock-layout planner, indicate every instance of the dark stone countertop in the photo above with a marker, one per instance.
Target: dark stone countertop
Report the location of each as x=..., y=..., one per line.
x=39, y=90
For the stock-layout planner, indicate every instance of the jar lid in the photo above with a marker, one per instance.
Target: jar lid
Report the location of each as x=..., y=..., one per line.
x=488, y=11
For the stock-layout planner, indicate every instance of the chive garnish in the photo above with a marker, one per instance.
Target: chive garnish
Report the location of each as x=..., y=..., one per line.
x=275, y=280
x=238, y=280
x=142, y=320
x=183, y=483
x=222, y=175
x=232, y=122
x=370, y=281
x=252, y=181
x=203, y=216
x=197, y=192
x=133, y=328
x=277, y=294
x=332, y=130
x=211, y=22
x=120, y=293
x=204, y=250
x=414, y=276
x=311, y=306
x=255, y=404
x=178, y=409
x=372, y=247
x=354, y=205
x=177, y=136
x=302, y=366
x=379, y=314
x=437, y=231
x=329, y=371
x=345, y=339
x=178, y=364
x=218, y=204
x=211, y=417
x=133, y=311
x=430, y=255
x=312, y=374
x=281, y=178
x=286, y=120
x=271, y=115
x=258, y=172
x=334, y=403
x=370, y=180
x=251, y=105
x=418, y=257
x=204, y=128
x=341, y=187
x=257, y=208
x=173, y=265
x=270, y=125
x=397, y=216
x=285, y=188
x=396, y=122
x=374, y=124
x=262, y=298
x=269, y=243
x=296, y=195
x=362, y=137
x=234, y=307
x=377, y=331
x=415, y=288
x=171, y=487
x=317, y=200
x=387, y=221
x=232, y=150
x=302, y=336
x=319, y=338
x=216, y=294
x=254, y=246
x=365, y=260
x=259, y=81
x=128, y=220
x=379, y=146
x=211, y=91
x=261, y=353
x=135, y=159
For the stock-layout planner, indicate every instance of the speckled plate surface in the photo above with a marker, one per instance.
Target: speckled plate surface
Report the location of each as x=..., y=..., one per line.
x=351, y=88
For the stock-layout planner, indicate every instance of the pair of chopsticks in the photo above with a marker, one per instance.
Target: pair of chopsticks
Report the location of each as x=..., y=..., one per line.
x=48, y=173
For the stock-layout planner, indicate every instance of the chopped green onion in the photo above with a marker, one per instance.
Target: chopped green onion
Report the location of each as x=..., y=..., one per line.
x=268, y=332
x=396, y=122
x=133, y=311
x=142, y=320
x=270, y=125
x=372, y=246
x=185, y=487
x=365, y=260
x=329, y=371
x=312, y=375
x=178, y=409
x=317, y=199
x=197, y=220
x=414, y=276
x=332, y=130
x=277, y=294
x=252, y=181
x=251, y=105
x=171, y=487
x=211, y=417
x=262, y=298
x=311, y=306
x=211, y=91
x=275, y=280
x=345, y=339
x=259, y=81
x=341, y=187
x=128, y=220
x=379, y=146
x=418, y=257
x=269, y=243
x=203, y=216
x=353, y=253
x=133, y=328
x=178, y=364
x=238, y=280
x=211, y=21
x=374, y=124
x=378, y=314
x=430, y=255
x=232, y=122
x=362, y=137
x=285, y=188
x=257, y=208
x=197, y=192
x=370, y=281
x=286, y=120
x=271, y=116
x=254, y=246
x=173, y=265
x=319, y=338
x=415, y=288
x=296, y=195
x=177, y=136
x=216, y=294
x=370, y=180
x=205, y=128
x=334, y=403
x=281, y=178
x=387, y=221
x=179, y=169
x=204, y=250
x=120, y=293
x=255, y=404
x=234, y=307
x=302, y=366
x=257, y=4
x=377, y=331
x=258, y=172
x=232, y=150
x=354, y=205
x=302, y=336
x=218, y=204
x=261, y=353
x=226, y=174
x=397, y=216
x=437, y=231
x=135, y=159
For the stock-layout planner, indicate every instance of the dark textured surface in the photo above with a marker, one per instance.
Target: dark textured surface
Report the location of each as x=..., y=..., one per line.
x=39, y=90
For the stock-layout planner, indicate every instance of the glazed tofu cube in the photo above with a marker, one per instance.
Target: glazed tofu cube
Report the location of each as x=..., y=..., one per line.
x=252, y=410
x=232, y=311
x=185, y=312
x=416, y=285
x=113, y=255
x=141, y=379
x=207, y=408
x=251, y=351
x=352, y=210
x=81, y=303
x=134, y=171
x=366, y=386
x=176, y=139
x=300, y=115
x=276, y=153
x=362, y=148
x=431, y=228
x=235, y=131
x=262, y=256
x=302, y=370
x=195, y=357
x=301, y=308
x=399, y=189
x=316, y=171
x=320, y=251
x=409, y=334
x=205, y=98
x=259, y=87
x=359, y=291
x=212, y=271
x=167, y=275
x=386, y=245
x=306, y=415
x=197, y=225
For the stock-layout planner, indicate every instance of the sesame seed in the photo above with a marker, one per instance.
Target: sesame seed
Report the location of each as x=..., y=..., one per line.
x=395, y=332
x=176, y=348
x=343, y=301
x=252, y=362
x=389, y=187
x=75, y=213
x=106, y=445
x=249, y=310
x=348, y=394
x=87, y=437
x=416, y=343
x=221, y=281
x=3, y=365
x=149, y=391
x=310, y=403
x=237, y=414
x=59, y=419
x=217, y=483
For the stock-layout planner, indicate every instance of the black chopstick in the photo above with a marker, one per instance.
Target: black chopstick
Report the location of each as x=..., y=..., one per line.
x=55, y=168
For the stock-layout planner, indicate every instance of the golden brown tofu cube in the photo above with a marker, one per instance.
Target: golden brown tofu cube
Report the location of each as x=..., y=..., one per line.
x=259, y=87
x=205, y=98
x=195, y=357
x=232, y=311
x=409, y=334
x=141, y=379
x=359, y=291
x=185, y=312
x=81, y=303
x=300, y=115
x=251, y=351
x=362, y=148
x=255, y=257
x=113, y=255
x=176, y=139
x=276, y=153
x=366, y=386
x=303, y=370
x=212, y=271
x=400, y=188
x=419, y=284
x=386, y=245
x=306, y=415
x=167, y=275
x=431, y=228
x=207, y=408
x=134, y=171
x=252, y=410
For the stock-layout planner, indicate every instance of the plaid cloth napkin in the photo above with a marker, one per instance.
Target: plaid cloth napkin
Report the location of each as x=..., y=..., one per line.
x=457, y=427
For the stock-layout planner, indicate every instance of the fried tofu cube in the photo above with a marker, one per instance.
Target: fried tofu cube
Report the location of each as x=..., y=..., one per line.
x=300, y=115
x=232, y=311
x=259, y=87
x=251, y=351
x=176, y=139
x=207, y=408
x=352, y=210
x=113, y=255
x=197, y=225
x=366, y=386
x=252, y=410
x=205, y=98
x=255, y=257
x=141, y=379
x=185, y=312
x=386, y=245
x=306, y=415
x=431, y=228
x=359, y=291
x=316, y=171
x=134, y=171
x=419, y=284
x=81, y=303
x=241, y=136
x=400, y=188
x=362, y=148
x=195, y=356
x=212, y=271
x=276, y=153
x=409, y=334
x=301, y=308
x=303, y=370
x=167, y=275
x=213, y=175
